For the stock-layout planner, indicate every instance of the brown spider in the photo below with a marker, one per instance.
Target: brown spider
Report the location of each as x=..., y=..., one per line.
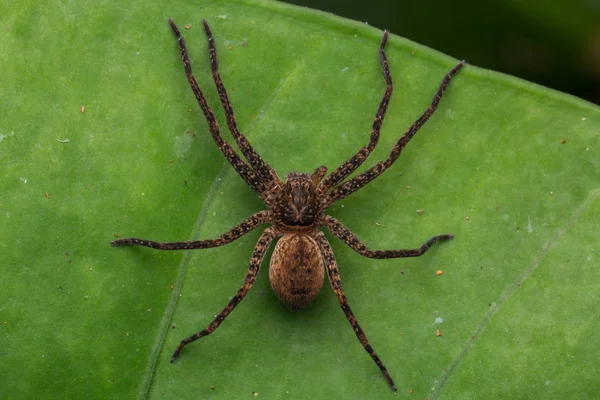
x=296, y=208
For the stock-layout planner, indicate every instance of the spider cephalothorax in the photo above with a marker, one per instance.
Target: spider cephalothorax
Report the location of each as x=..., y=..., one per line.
x=298, y=203
x=296, y=208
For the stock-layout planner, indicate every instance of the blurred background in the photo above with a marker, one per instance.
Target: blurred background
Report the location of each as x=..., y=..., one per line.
x=555, y=43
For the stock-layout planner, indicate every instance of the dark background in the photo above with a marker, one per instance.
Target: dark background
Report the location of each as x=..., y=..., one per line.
x=555, y=43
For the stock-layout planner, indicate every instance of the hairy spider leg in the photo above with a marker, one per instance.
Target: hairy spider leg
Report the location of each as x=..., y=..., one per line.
x=250, y=223
x=352, y=185
x=257, y=257
x=264, y=170
x=349, y=238
x=248, y=174
x=336, y=285
x=344, y=170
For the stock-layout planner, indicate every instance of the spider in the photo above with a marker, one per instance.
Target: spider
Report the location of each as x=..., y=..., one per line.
x=296, y=208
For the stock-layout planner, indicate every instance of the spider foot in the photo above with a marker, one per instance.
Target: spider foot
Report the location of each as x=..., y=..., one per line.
x=439, y=238
x=176, y=353
x=390, y=381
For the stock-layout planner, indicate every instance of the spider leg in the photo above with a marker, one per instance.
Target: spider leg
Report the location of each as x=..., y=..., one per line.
x=259, y=251
x=352, y=185
x=336, y=284
x=263, y=169
x=353, y=163
x=244, y=170
x=346, y=235
x=236, y=232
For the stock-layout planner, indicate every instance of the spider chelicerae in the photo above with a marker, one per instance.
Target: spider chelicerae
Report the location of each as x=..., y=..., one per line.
x=302, y=254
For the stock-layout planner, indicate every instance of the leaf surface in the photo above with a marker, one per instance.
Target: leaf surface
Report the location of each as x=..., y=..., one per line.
x=508, y=167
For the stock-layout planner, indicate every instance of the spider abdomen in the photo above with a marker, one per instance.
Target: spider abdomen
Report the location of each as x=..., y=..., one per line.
x=296, y=270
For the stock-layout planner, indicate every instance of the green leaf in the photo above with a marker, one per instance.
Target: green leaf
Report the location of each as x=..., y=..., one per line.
x=511, y=168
